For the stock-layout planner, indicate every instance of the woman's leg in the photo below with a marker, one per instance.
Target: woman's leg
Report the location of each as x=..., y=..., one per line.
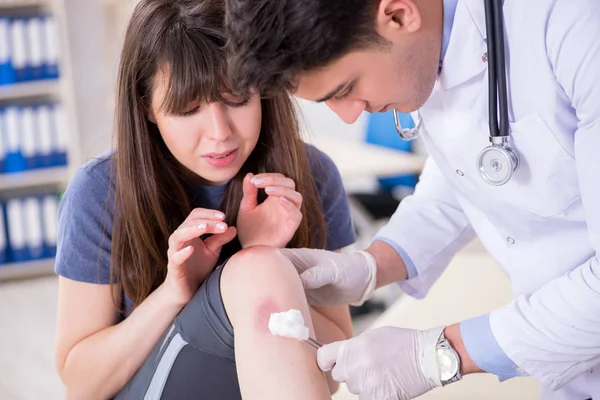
x=257, y=282
x=196, y=357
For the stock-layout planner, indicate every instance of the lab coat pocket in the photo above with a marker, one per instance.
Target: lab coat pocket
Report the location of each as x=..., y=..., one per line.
x=545, y=182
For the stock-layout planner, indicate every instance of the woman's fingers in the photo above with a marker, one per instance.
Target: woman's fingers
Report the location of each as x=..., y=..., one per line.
x=290, y=208
x=215, y=242
x=192, y=230
x=294, y=197
x=181, y=256
x=205, y=213
x=273, y=179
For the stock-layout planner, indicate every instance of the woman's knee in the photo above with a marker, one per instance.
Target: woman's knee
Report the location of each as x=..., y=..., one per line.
x=259, y=281
x=256, y=267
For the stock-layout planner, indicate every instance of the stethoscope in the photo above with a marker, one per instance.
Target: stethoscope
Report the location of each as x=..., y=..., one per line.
x=497, y=162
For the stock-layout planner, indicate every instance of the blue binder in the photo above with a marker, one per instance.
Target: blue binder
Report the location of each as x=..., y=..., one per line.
x=19, y=52
x=16, y=231
x=50, y=222
x=35, y=50
x=3, y=236
x=11, y=126
x=51, y=48
x=59, y=135
x=33, y=227
x=7, y=75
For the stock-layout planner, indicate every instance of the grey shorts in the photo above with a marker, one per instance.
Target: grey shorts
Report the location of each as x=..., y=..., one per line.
x=195, y=358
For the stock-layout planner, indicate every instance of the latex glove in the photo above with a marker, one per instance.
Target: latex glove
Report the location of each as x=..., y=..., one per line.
x=331, y=278
x=274, y=221
x=385, y=364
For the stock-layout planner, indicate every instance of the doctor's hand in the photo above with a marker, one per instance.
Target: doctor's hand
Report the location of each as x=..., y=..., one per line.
x=331, y=278
x=384, y=364
x=274, y=221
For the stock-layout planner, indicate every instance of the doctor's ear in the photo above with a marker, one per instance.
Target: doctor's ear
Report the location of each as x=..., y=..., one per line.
x=397, y=16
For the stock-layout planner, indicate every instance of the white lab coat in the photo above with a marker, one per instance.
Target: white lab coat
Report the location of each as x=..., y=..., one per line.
x=543, y=227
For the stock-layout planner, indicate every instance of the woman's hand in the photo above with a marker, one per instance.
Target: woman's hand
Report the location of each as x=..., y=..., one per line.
x=191, y=259
x=274, y=221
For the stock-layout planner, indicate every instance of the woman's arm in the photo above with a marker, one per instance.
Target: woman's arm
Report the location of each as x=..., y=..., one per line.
x=95, y=356
x=331, y=325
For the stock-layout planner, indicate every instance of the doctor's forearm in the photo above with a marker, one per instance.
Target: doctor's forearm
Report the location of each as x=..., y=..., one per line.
x=390, y=266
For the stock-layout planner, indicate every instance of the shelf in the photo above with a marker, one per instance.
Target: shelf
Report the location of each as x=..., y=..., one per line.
x=26, y=270
x=29, y=89
x=33, y=178
x=13, y=4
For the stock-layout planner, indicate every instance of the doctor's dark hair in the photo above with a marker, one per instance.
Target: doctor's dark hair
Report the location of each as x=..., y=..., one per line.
x=152, y=198
x=272, y=41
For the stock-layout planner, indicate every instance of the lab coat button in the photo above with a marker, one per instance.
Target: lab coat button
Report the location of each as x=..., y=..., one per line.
x=591, y=371
x=484, y=57
x=460, y=173
x=510, y=240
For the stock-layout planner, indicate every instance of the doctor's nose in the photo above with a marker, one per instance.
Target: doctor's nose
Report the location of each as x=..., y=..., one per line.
x=348, y=110
x=219, y=128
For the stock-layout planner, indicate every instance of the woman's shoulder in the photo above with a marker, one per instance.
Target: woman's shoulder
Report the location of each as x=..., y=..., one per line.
x=321, y=165
x=90, y=188
x=93, y=173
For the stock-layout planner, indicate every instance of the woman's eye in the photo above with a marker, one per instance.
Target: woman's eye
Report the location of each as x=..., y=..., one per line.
x=239, y=103
x=235, y=101
x=190, y=111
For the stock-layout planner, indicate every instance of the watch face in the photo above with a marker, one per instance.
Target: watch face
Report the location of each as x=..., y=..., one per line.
x=448, y=364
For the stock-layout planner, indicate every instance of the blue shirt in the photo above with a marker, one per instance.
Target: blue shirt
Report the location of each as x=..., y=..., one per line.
x=85, y=216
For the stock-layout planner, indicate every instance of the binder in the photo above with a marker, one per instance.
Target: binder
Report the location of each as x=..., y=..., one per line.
x=35, y=53
x=50, y=48
x=60, y=135
x=29, y=138
x=44, y=148
x=16, y=231
x=50, y=222
x=2, y=141
x=15, y=161
x=19, y=51
x=3, y=241
x=33, y=227
x=6, y=72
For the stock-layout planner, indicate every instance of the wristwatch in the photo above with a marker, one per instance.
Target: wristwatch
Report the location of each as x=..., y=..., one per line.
x=448, y=361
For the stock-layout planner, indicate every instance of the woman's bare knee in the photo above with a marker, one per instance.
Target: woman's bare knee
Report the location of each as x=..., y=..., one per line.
x=259, y=281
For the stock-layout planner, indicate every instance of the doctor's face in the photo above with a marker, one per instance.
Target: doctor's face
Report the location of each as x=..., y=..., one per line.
x=374, y=81
x=398, y=73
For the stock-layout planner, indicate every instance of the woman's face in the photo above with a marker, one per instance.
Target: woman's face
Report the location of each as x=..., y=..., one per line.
x=211, y=140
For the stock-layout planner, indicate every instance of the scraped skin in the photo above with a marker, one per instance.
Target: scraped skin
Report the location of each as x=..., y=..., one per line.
x=255, y=283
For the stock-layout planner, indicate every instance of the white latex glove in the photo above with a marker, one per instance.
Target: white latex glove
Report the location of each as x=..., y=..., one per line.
x=331, y=278
x=385, y=364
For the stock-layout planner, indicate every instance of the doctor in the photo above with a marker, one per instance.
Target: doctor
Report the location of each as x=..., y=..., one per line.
x=533, y=198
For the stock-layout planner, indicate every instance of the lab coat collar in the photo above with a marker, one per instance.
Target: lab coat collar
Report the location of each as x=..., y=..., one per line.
x=464, y=57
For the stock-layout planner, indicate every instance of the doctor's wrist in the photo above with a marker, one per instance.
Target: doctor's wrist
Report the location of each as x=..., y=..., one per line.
x=390, y=266
x=467, y=366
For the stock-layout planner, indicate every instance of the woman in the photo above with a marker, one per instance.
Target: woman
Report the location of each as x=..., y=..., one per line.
x=168, y=245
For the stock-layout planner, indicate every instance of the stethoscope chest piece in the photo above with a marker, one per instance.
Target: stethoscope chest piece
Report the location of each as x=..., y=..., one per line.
x=496, y=164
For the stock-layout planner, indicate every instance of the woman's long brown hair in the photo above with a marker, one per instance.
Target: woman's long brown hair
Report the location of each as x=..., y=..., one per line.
x=151, y=200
